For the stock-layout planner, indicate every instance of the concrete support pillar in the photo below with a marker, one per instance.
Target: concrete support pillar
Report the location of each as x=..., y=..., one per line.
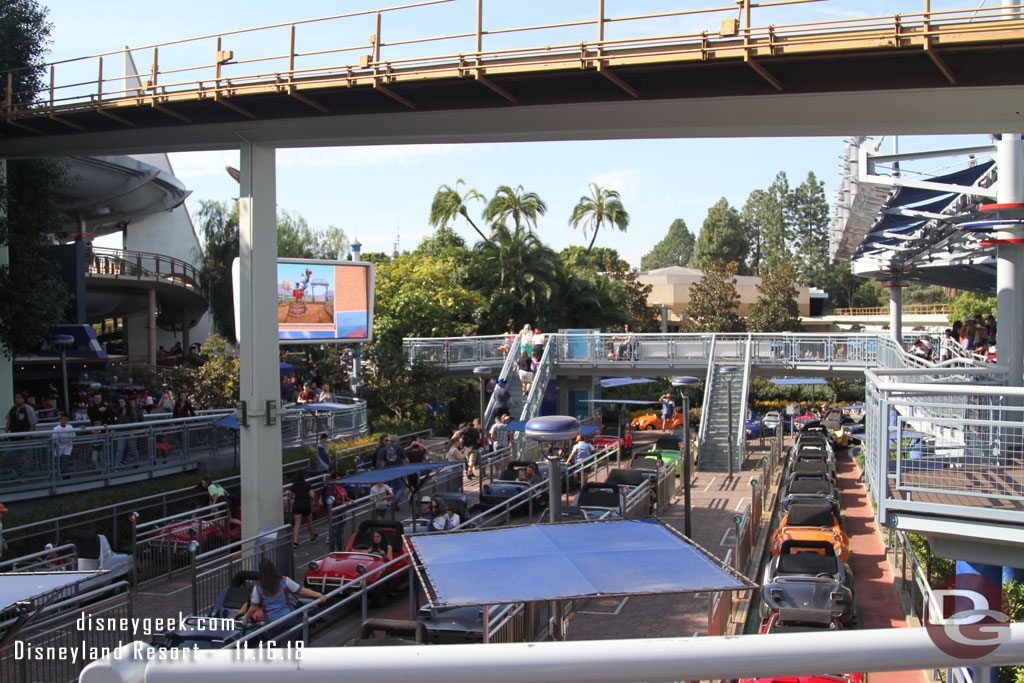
x=6, y=364
x=151, y=326
x=1010, y=263
x=258, y=346
x=896, y=312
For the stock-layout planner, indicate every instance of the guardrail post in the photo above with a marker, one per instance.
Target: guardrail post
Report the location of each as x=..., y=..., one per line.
x=412, y=595
x=134, y=519
x=363, y=598
x=755, y=505
x=193, y=548
x=305, y=626
x=737, y=521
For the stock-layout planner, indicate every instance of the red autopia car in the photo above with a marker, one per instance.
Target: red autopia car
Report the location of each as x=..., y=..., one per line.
x=350, y=565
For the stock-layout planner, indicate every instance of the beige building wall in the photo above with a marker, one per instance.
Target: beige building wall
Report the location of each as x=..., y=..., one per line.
x=671, y=286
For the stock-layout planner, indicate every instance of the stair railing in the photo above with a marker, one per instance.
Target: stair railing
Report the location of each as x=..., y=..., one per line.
x=506, y=371
x=705, y=411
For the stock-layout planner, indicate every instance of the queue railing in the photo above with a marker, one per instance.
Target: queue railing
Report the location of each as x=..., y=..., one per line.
x=213, y=570
x=59, y=625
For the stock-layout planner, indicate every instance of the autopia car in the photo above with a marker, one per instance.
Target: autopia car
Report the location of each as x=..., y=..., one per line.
x=348, y=567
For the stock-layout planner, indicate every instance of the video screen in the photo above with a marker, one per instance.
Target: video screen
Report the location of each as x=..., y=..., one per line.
x=324, y=301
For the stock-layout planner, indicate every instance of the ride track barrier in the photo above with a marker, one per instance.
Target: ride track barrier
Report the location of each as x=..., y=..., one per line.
x=57, y=626
x=213, y=570
x=154, y=447
x=114, y=520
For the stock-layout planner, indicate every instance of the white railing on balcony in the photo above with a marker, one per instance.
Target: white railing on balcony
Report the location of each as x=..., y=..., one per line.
x=950, y=447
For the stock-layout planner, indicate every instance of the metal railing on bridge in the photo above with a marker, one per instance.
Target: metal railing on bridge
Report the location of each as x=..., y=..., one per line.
x=279, y=59
x=122, y=264
x=88, y=457
x=944, y=442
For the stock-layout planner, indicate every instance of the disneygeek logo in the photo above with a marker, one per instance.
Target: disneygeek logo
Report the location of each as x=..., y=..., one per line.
x=967, y=626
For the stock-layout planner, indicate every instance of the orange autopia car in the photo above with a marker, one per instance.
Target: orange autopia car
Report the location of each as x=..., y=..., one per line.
x=652, y=421
x=811, y=525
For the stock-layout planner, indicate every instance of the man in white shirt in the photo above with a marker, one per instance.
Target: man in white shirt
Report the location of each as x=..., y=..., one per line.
x=382, y=497
x=499, y=432
x=448, y=521
x=581, y=452
x=63, y=443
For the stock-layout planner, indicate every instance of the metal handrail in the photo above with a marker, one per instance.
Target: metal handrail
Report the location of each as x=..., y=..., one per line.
x=540, y=381
x=138, y=265
x=740, y=436
x=909, y=309
x=912, y=28
x=709, y=383
x=506, y=371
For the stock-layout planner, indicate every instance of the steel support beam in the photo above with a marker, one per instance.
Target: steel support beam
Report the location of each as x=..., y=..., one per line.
x=260, y=387
x=896, y=311
x=1010, y=263
x=151, y=326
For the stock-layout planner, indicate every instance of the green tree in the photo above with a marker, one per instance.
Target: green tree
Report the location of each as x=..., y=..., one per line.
x=596, y=258
x=521, y=272
x=520, y=205
x=599, y=207
x=218, y=225
x=714, y=300
x=809, y=221
x=449, y=203
x=443, y=244
x=675, y=249
x=722, y=237
x=633, y=299
x=840, y=284
x=776, y=309
x=214, y=383
x=765, y=217
x=421, y=296
x=30, y=212
x=971, y=303
x=868, y=295
x=295, y=239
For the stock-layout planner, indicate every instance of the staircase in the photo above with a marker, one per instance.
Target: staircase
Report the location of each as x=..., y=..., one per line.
x=515, y=387
x=714, y=448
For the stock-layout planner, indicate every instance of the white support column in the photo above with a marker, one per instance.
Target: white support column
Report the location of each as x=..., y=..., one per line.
x=151, y=326
x=896, y=311
x=6, y=364
x=260, y=442
x=1010, y=263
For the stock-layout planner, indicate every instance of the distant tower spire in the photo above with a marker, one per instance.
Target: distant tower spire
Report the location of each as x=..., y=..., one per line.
x=398, y=240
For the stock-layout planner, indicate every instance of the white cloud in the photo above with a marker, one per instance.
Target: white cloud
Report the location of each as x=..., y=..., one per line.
x=200, y=164
x=625, y=181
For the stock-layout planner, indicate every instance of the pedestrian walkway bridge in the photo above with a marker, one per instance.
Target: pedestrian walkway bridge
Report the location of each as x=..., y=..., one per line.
x=318, y=81
x=942, y=441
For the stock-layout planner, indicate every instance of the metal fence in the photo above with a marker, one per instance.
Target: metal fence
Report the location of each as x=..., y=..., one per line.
x=94, y=456
x=947, y=449
x=720, y=609
x=213, y=570
x=162, y=547
x=53, y=649
x=458, y=351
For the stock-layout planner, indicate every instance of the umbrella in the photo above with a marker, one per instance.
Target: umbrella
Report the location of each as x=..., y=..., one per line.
x=287, y=368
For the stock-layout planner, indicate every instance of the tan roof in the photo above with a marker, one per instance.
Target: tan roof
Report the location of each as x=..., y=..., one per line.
x=679, y=275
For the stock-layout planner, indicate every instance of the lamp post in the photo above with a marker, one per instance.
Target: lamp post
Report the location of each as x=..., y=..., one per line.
x=546, y=429
x=728, y=371
x=482, y=372
x=664, y=316
x=682, y=383
x=63, y=343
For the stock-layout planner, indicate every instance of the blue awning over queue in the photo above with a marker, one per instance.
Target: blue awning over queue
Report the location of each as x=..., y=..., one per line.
x=564, y=561
x=27, y=587
x=787, y=381
x=623, y=381
x=391, y=473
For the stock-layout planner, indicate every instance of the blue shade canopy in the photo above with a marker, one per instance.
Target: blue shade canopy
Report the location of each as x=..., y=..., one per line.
x=563, y=561
x=15, y=588
x=630, y=402
x=229, y=421
x=328, y=407
x=391, y=473
x=798, y=380
x=287, y=368
x=623, y=381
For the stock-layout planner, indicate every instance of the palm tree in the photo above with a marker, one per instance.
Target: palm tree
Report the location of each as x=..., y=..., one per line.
x=449, y=203
x=525, y=268
x=602, y=206
x=517, y=203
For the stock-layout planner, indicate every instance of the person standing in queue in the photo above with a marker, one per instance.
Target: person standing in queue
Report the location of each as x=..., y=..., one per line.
x=273, y=593
x=302, y=507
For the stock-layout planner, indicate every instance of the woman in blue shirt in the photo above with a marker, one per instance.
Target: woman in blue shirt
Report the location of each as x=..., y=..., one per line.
x=272, y=592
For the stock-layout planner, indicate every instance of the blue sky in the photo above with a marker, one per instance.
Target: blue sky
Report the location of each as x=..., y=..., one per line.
x=378, y=193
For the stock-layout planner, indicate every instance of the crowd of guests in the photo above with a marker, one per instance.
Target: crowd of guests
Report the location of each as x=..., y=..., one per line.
x=974, y=335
